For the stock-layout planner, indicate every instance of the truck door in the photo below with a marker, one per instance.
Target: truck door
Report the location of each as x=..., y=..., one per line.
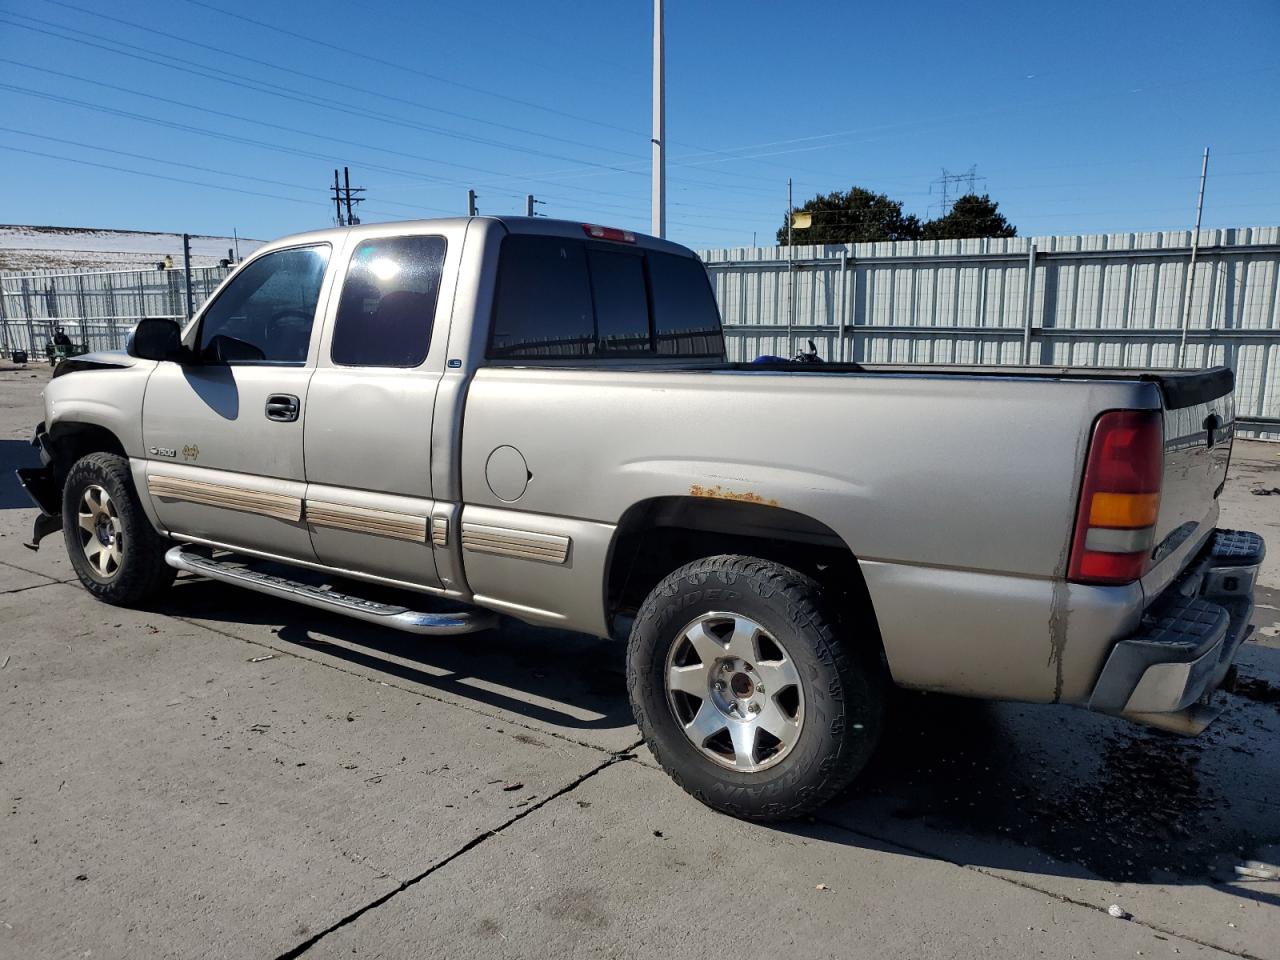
x=224, y=432
x=368, y=435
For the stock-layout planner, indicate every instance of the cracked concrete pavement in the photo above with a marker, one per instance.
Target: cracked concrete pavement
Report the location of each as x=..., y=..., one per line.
x=223, y=775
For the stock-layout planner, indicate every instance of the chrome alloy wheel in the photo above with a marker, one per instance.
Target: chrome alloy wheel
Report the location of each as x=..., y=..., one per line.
x=101, y=533
x=735, y=691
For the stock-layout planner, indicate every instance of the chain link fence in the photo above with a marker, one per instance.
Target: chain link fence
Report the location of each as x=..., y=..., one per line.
x=96, y=310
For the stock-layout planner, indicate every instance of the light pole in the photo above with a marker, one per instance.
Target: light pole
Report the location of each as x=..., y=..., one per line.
x=658, y=226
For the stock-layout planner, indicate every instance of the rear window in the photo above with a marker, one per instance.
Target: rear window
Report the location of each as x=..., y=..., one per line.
x=388, y=302
x=684, y=308
x=561, y=298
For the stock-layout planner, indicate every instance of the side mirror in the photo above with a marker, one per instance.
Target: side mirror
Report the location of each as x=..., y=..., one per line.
x=155, y=338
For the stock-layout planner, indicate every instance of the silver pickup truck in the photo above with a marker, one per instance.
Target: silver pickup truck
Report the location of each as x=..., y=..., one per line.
x=428, y=424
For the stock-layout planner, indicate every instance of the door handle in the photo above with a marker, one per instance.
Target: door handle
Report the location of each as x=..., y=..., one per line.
x=282, y=407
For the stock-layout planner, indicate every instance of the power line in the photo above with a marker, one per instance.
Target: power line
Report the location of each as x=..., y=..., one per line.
x=400, y=66
x=366, y=91
x=308, y=133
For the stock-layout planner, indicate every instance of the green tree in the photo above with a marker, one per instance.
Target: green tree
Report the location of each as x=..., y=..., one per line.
x=856, y=216
x=971, y=216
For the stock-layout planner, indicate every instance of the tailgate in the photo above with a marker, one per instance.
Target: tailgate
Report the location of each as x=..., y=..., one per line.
x=1199, y=423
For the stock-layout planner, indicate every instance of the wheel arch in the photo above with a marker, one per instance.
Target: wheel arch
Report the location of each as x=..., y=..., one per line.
x=69, y=440
x=658, y=535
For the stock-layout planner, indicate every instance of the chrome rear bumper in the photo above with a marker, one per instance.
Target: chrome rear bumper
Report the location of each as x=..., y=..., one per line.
x=1164, y=673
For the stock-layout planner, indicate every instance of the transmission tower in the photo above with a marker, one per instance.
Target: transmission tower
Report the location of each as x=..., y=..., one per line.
x=949, y=186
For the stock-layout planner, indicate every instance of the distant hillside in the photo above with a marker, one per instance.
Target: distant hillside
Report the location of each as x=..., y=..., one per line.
x=84, y=248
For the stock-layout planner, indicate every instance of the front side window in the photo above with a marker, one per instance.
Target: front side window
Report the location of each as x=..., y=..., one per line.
x=266, y=312
x=388, y=302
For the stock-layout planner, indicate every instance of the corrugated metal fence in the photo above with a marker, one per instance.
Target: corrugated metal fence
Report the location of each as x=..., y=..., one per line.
x=1107, y=300
x=1114, y=300
x=96, y=309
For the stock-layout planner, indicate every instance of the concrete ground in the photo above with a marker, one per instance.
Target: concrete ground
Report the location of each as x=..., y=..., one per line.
x=227, y=776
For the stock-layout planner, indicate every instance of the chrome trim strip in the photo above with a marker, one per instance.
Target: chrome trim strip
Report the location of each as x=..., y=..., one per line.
x=399, y=618
x=279, y=505
x=381, y=523
x=521, y=544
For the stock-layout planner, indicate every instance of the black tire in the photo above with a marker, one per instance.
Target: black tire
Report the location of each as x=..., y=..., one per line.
x=141, y=571
x=844, y=686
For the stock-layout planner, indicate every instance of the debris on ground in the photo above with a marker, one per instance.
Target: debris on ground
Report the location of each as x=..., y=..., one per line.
x=1259, y=871
x=512, y=786
x=269, y=656
x=1119, y=912
x=1266, y=491
x=822, y=886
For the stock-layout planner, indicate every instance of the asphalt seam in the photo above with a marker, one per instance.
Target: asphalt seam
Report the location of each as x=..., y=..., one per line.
x=34, y=573
x=1061, y=897
x=34, y=586
x=436, y=698
x=467, y=847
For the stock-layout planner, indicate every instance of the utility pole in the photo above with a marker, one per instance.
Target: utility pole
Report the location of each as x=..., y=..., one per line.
x=658, y=225
x=235, y=236
x=337, y=200
x=1191, y=269
x=186, y=267
x=347, y=189
x=471, y=203
x=791, y=277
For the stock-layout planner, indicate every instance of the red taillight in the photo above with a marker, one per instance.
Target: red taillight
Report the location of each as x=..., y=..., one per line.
x=1119, y=499
x=608, y=233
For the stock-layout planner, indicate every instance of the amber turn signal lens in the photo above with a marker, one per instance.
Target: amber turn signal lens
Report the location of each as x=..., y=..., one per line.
x=1124, y=510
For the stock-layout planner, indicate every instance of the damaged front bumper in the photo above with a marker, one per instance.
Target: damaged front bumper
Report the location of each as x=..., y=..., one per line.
x=42, y=487
x=1165, y=674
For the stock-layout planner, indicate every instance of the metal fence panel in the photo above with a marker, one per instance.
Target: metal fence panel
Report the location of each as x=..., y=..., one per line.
x=96, y=308
x=1094, y=300
x=1113, y=300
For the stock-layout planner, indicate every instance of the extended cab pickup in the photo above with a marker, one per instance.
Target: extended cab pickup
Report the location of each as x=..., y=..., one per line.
x=429, y=424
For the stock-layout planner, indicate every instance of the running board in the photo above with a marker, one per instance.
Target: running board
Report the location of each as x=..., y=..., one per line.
x=238, y=572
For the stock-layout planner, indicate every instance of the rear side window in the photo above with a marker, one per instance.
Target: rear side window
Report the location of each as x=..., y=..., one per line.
x=685, y=316
x=562, y=299
x=388, y=302
x=544, y=300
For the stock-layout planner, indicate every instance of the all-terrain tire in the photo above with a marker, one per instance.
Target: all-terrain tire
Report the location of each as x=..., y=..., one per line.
x=140, y=572
x=844, y=685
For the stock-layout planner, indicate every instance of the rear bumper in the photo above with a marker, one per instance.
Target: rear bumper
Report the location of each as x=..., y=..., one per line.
x=1164, y=673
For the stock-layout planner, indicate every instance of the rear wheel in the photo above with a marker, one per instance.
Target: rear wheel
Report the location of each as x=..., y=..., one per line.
x=745, y=694
x=115, y=551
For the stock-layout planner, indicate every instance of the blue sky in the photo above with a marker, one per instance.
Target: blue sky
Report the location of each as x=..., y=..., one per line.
x=1083, y=117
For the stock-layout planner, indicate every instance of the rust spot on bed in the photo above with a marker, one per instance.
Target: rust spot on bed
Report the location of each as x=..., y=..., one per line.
x=719, y=493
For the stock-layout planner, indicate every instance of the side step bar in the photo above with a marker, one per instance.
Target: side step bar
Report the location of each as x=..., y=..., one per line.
x=237, y=572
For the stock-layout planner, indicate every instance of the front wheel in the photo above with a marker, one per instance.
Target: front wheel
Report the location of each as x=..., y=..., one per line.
x=744, y=693
x=115, y=551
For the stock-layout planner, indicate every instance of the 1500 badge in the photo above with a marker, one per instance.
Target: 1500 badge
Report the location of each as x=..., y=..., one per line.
x=163, y=452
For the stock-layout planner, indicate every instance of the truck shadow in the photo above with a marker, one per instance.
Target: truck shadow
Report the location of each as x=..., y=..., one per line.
x=553, y=677
x=15, y=454
x=1042, y=789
